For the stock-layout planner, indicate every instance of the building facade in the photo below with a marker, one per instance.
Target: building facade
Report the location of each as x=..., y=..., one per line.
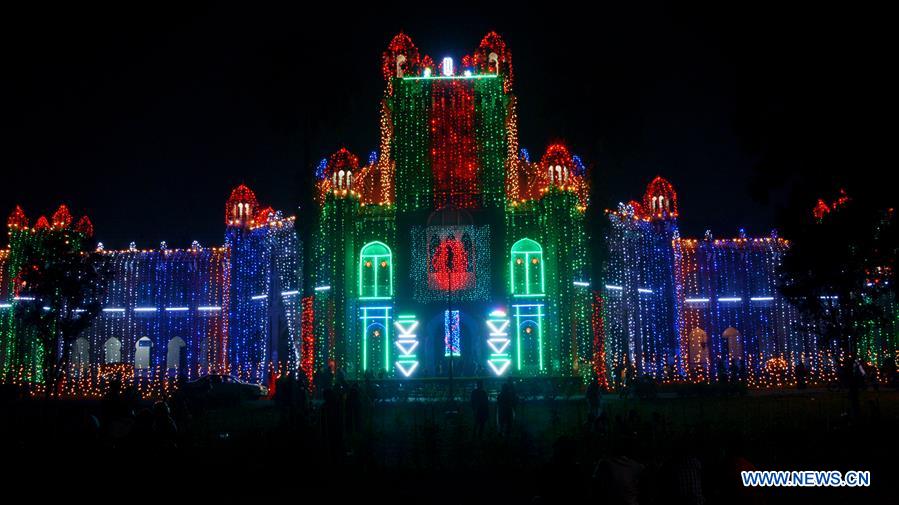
x=447, y=252
x=231, y=309
x=699, y=309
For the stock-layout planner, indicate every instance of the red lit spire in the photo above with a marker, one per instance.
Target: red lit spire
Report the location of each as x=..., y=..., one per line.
x=821, y=208
x=42, y=223
x=17, y=219
x=85, y=226
x=62, y=218
x=263, y=215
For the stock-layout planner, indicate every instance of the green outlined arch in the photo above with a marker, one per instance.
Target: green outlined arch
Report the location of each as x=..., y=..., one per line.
x=526, y=271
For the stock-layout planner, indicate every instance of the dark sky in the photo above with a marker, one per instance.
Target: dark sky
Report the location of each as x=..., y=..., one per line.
x=145, y=118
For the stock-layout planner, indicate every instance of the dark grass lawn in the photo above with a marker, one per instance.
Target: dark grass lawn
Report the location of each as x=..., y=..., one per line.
x=427, y=451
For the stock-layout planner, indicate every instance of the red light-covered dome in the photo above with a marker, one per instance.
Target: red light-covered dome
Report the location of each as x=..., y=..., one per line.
x=401, y=58
x=493, y=57
x=342, y=167
x=241, y=207
x=557, y=165
x=660, y=200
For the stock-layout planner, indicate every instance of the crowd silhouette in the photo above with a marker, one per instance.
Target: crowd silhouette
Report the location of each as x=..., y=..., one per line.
x=612, y=450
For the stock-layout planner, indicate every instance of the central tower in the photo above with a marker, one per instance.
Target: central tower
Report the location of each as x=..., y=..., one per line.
x=449, y=251
x=446, y=125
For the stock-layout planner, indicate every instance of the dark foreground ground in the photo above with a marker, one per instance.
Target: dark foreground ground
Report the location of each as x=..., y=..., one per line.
x=416, y=452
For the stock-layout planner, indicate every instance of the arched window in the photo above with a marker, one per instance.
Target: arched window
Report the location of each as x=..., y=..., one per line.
x=734, y=344
x=174, y=354
x=400, y=62
x=142, y=353
x=112, y=350
x=375, y=271
x=80, y=352
x=699, y=348
x=526, y=268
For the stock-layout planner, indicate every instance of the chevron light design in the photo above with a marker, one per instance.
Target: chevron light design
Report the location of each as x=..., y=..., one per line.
x=406, y=342
x=499, y=342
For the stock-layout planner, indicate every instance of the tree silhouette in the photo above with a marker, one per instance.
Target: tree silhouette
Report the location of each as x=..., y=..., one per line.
x=839, y=271
x=64, y=287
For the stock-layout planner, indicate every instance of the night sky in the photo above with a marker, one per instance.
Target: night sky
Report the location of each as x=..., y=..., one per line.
x=145, y=119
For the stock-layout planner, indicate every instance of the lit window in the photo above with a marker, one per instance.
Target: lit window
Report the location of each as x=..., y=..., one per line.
x=375, y=282
x=526, y=268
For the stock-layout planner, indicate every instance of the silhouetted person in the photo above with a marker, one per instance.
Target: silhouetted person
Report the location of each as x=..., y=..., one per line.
x=479, y=406
x=601, y=424
x=370, y=389
x=284, y=394
x=801, y=375
x=593, y=395
x=617, y=478
x=300, y=401
x=322, y=380
x=735, y=462
x=181, y=407
x=889, y=371
x=331, y=423
x=165, y=431
x=113, y=406
x=722, y=371
x=505, y=407
x=353, y=410
x=682, y=478
x=141, y=435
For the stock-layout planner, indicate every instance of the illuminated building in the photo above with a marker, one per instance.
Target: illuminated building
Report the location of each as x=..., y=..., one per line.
x=448, y=251
x=698, y=309
x=178, y=312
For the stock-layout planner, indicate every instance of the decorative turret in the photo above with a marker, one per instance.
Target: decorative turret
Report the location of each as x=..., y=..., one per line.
x=240, y=210
x=660, y=200
x=557, y=165
x=62, y=218
x=42, y=223
x=263, y=215
x=400, y=60
x=85, y=227
x=340, y=170
x=492, y=57
x=636, y=207
x=17, y=219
